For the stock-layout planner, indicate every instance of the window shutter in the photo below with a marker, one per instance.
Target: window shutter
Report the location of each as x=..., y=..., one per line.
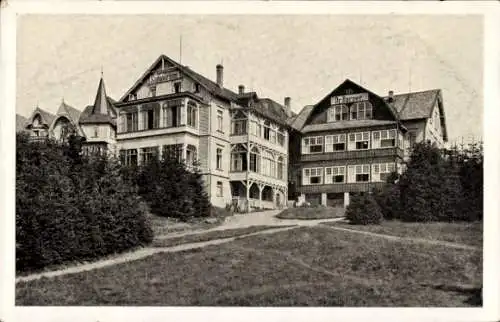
x=375, y=172
x=351, y=174
x=352, y=142
x=376, y=139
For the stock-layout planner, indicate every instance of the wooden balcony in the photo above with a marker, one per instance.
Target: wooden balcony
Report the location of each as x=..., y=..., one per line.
x=342, y=187
x=350, y=155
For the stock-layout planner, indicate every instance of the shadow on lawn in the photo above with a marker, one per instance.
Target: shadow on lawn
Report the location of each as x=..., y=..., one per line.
x=474, y=294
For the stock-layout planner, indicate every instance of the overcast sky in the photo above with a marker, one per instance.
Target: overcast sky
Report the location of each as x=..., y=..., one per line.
x=304, y=57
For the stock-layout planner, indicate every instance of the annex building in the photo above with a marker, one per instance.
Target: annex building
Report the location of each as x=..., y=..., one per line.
x=252, y=151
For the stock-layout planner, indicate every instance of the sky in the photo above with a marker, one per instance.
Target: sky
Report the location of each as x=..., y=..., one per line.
x=304, y=57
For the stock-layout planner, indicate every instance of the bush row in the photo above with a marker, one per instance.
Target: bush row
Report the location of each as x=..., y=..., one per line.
x=438, y=185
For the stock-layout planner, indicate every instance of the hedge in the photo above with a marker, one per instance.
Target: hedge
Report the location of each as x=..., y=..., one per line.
x=72, y=211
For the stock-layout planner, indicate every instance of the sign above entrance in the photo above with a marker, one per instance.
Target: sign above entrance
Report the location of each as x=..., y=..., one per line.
x=346, y=99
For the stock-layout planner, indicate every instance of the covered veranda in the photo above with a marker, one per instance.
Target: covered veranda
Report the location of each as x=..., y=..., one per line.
x=250, y=195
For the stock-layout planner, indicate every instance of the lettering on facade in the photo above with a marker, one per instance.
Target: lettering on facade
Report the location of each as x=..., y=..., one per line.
x=162, y=76
x=346, y=99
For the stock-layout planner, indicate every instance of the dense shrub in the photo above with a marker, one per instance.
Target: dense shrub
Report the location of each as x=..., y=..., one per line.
x=389, y=200
x=173, y=190
x=363, y=210
x=69, y=209
x=441, y=185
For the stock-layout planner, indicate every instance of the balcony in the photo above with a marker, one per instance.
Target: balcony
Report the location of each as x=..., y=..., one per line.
x=353, y=154
x=342, y=187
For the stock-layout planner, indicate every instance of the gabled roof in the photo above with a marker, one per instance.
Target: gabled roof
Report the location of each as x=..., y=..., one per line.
x=208, y=84
x=46, y=117
x=300, y=119
x=271, y=110
x=102, y=112
x=405, y=106
x=20, y=123
x=415, y=105
x=69, y=111
x=419, y=105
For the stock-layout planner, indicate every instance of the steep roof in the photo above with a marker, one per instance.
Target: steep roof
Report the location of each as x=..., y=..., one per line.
x=419, y=105
x=46, y=117
x=102, y=112
x=298, y=121
x=270, y=109
x=406, y=106
x=20, y=123
x=66, y=110
x=208, y=84
x=415, y=105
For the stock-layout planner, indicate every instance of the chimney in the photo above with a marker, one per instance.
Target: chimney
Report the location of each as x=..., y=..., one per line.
x=391, y=96
x=287, y=106
x=241, y=89
x=220, y=75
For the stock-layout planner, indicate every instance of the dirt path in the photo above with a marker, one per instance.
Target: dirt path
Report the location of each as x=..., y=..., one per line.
x=140, y=254
x=407, y=239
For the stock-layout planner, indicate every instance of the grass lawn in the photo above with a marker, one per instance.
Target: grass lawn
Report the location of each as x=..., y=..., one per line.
x=312, y=213
x=308, y=266
x=165, y=225
x=460, y=232
x=217, y=234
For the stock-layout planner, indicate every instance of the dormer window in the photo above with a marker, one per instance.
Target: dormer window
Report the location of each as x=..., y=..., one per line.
x=361, y=111
x=196, y=88
x=338, y=113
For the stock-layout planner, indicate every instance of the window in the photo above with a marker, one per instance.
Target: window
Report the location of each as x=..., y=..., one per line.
x=267, y=130
x=335, y=143
x=254, y=128
x=177, y=87
x=337, y=113
x=255, y=160
x=219, y=159
x=128, y=157
x=359, y=173
x=191, y=114
x=335, y=174
x=312, y=145
x=361, y=111
x=149, y=154
x=220, y=120
x=268, y=165
x=152, y=91
x=239, y=159
x=313, y=176
x=173, y=151
x=281, y=138
x=359, y=141
x=171, y=114
x=412, y=137
x=96, y=131
x=190, y=155
x=220, y=189
x=151, y=118
x=239, y=127
x=281, y=171
x=381, y=171
x=132, y=122
x=196, y=88
x=384, y=139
